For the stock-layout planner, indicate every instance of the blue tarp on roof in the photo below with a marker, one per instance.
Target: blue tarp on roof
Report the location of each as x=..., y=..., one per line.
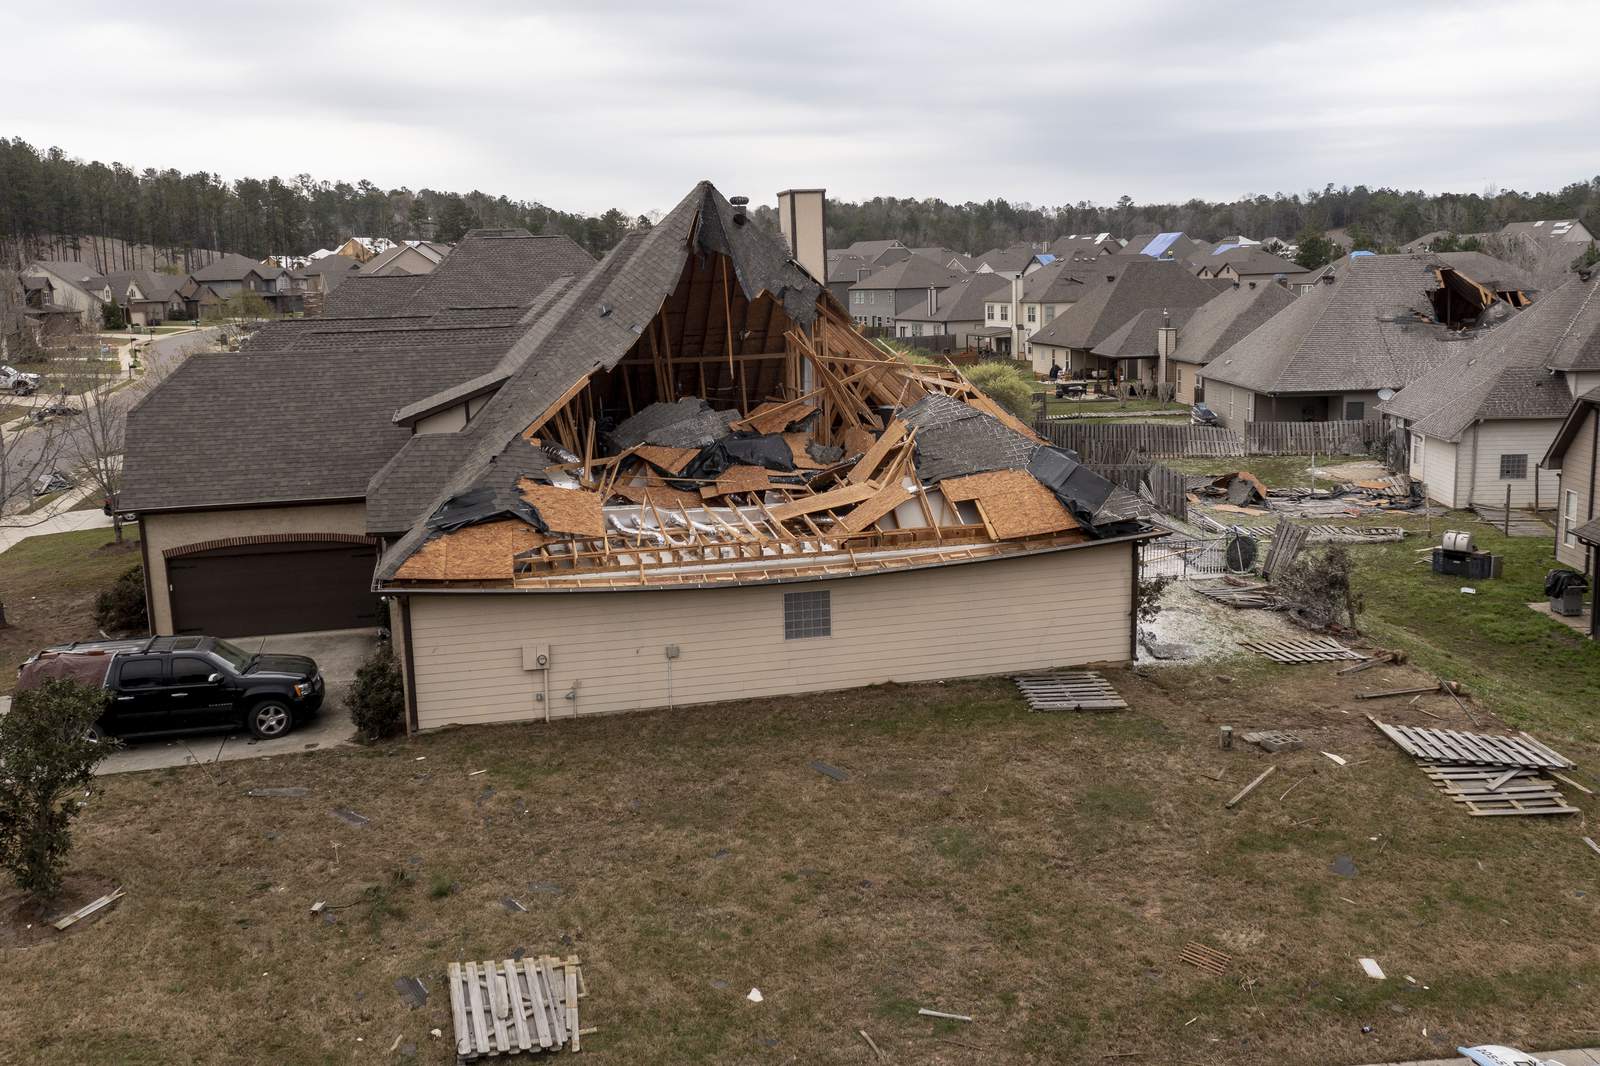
x=1045, y=257
x=1219, y=249
x=1159, y=246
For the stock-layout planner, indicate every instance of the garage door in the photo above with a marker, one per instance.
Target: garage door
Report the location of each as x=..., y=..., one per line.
x=255, y=589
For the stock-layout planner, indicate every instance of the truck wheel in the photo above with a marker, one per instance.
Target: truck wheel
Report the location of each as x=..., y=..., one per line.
x=269, y=719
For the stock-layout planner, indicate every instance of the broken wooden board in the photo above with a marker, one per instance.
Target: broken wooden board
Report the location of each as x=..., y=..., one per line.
x=1274, y=740
x=1247, y=596
x=92, y=907
x=1069, y=690
x=1455, y=748
x=573, y=511
x=1320, y=650
x=1014, y=503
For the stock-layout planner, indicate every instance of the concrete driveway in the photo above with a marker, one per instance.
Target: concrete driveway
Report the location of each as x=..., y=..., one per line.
x=338, y=653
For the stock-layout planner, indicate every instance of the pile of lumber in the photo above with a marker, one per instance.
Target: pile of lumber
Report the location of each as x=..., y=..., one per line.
x=516, y=1006
x=1488, y=774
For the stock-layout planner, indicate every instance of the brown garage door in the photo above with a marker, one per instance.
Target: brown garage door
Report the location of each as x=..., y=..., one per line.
x=255, y=589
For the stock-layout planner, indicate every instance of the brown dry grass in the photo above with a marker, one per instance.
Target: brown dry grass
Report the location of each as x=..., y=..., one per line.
x=1039, y=872
x=49, y=585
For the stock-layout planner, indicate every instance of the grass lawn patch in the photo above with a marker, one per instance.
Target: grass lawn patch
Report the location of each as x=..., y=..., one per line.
x=49, y=584
x=1054, y=406
x=1275, y=471
x=1040, y=872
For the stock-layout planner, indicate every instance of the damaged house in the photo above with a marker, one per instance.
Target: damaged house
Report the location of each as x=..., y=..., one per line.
x=1369, y=327
x=1479, y=425
x=685, y=478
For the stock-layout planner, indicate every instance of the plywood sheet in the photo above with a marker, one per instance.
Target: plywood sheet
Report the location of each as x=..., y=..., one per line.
x=876, y=454
x=473, y=553
x=797, y=443
x=881, y=503
x=1014, y=502
x=775, y=417
x=671, y=460
x=856, y=441
x=575, y=511
x=842, y=496
x=739, y=479
x=657, y=495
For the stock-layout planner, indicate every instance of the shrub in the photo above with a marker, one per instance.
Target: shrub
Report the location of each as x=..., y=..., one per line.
x=377, y=696
x=120, y=608
x=47, y=754
x=1006, y=384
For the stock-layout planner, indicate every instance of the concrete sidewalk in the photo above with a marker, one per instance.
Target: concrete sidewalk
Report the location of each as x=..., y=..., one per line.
x=56, y=517
x=1572, y=1057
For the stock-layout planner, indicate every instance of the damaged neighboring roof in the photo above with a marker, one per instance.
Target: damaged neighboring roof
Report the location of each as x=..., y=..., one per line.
x=698, y=410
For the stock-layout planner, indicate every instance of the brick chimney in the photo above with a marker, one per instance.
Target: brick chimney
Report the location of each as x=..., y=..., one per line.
x=803, y=218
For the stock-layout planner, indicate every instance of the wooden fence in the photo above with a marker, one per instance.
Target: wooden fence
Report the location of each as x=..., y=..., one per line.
x=1119, y=442
x=1162, y=486
x=1354, y=437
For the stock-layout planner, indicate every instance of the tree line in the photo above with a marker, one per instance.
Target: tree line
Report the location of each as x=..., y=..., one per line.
x=52, y=204
x=1376, y=219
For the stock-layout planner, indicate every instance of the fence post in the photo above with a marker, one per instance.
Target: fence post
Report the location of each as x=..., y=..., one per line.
x=1508, y=509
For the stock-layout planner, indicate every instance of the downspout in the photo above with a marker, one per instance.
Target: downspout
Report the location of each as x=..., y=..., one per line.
x=411, y=667
x=144, y=564
x=1594, y=453
x=1472, y=471
x=1133, y=602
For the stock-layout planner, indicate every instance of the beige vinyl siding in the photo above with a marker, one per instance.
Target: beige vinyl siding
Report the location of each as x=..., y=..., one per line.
x=1577, y=476
x=1230, y=402
x=1439, y=471
x=609, y=648
x=1523, y=437
x=165, y=531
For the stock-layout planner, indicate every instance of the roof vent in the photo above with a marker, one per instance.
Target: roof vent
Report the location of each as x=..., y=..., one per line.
x=739, y=204
x=1111, y=277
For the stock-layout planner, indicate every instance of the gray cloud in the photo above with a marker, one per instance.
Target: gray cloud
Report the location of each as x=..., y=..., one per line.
x=623, y=103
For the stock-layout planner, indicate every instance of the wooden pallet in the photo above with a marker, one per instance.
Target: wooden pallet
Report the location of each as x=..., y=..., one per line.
x=1454, y=748
x=1069, y=690
x=1242, y=595
x=1493, y=791
x=1206, y=958
x=1322, y=650
x=515, y=1006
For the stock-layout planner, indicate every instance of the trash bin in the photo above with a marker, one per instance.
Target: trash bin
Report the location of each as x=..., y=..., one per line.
x=1565, y=589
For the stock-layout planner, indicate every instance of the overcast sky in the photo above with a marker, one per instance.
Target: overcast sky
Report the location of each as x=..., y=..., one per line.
x=626, y=103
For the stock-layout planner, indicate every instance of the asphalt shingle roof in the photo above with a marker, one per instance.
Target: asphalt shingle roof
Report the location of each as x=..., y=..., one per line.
x=1136, y=339
x=233, y=267
x=1139, y=284
x=1230, y=316
x=913, y=272
x=961, y=302
x=1506, y=373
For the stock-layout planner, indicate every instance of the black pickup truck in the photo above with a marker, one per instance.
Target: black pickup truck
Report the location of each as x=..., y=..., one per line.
x=186, y=684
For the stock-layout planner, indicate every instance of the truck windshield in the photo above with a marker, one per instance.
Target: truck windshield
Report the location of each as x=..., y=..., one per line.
x=231, y=654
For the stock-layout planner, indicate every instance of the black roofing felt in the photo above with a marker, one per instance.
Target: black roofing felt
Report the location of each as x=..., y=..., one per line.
x=688, y=423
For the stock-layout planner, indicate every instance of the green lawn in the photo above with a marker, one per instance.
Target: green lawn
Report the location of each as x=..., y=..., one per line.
x=48, y=585
x=1275, y=471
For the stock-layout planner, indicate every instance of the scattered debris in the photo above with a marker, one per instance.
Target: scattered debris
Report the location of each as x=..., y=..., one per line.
x=829, y=771
x=755, y=995
x=1069, y=690
x=1243, y=595
x=1206, y=958
x=1343, y=865
x=502, y=1008
x=1565, y=780
x=1320, y=650
x=1251, y=787
x=1490, y=791
x=1287, y=540
x=1453, y=748
x=412, y=990
x=319, y=906
x=349, y=817
x=288, y=792
x=1374, y=971
x=475, y=773
x=926, y=1013
x=1275, y=740
x=89, y=908
x=1336, y=758
x=1592, y=845
x=876, y=1050
x=1397, y=692
x=1226, y=738
x=513, y=905
x=544, y=888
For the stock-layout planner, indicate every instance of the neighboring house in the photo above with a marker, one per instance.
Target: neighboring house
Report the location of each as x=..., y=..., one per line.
x=146, y=297
x=1575, y=456
x=42, y=321
x=324, y=275
x=947, y=257
x=956, y=311
x=877, y=254
x=1085, y=246
x=74, y=285
x=1217, y=325
x=1141, y=349
x=1126, y=286
x=844, y=270
x=360, y=249
x=1374, y=324
x=517, y=591
x=1042, y=295
x=1511, y=283
x=1481, y=424
x=231, y=274
x=1009, y=262
x=1248, y=264
x=412, y=257
x=1565, y=231
x=877, y=299
x=275, y=538
x=1170, y=245
x=198, y=298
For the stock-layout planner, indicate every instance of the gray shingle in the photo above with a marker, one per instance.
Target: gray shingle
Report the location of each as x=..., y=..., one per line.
x=1138, y=284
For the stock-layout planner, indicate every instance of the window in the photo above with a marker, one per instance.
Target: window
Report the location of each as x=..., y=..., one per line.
x=1569, y=518
x=1049, y=313
x=1416, y=452
x=187, y=670
x=858, y=297
x=1513, y=467
x=1355, y=410
x=141, y=673
x=807, y=614
x=1005, y=313
x=1033, y=314
x=988, y=312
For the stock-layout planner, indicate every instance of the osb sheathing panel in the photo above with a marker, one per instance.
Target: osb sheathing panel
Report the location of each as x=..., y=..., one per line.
x=775, y=417
x=1013, y=501
x=875, y=455
x=885, y=500
x=739, y=479
x=856, y=441
x=575, y=511
x=672, y=460
x=797, y=443
x=473, y=553
x=664, y=496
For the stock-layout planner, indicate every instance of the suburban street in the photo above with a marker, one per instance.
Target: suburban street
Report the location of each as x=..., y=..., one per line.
x=28, y=449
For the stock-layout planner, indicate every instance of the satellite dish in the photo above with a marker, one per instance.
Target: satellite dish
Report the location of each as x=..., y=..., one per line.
x=1386, y=395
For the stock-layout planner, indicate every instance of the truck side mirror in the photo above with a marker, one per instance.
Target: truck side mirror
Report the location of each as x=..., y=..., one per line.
x=214, y=678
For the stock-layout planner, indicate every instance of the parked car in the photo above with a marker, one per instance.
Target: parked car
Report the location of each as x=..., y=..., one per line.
x=186, y=684
x=1201, y=415
x=18, y=381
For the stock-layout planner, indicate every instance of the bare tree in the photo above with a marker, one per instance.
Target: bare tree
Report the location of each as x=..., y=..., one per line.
x=99, y=434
